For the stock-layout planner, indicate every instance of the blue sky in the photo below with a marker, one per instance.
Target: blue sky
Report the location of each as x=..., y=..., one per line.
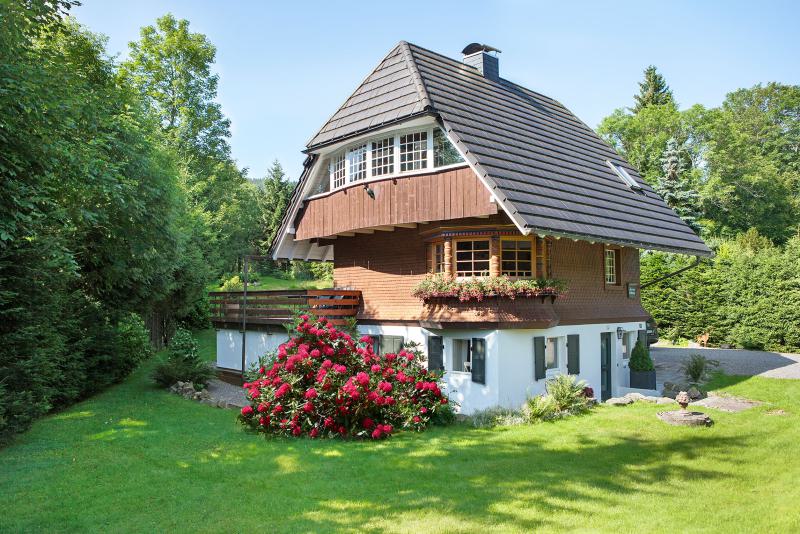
x=285, y=67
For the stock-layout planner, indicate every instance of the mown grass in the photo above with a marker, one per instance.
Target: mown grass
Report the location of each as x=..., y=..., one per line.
x=136, y=458
x=270, y=283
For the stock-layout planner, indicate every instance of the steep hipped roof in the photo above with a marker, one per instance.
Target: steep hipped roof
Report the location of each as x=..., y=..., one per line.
x=546, y=167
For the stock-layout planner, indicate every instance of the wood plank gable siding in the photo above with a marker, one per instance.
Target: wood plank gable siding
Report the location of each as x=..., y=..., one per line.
x=386, y=266
x=451, y=194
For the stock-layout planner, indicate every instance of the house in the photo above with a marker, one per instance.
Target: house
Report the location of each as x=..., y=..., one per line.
x=435, y=165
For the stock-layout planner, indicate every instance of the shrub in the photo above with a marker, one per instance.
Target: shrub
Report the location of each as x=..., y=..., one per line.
x=445, y=286
x=697, y=367
x=539, y=408
x=325, y=384
x=183, y=363
x=640, y=358
x=565, y=396
x=133, y=342
x=233, y=283
x=321, y=270
x=567, y=393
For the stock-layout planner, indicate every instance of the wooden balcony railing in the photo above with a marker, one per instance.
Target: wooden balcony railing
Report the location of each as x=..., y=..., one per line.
x=228, y=308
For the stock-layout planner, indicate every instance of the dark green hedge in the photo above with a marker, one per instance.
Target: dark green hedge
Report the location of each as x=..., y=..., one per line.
x=748, y=295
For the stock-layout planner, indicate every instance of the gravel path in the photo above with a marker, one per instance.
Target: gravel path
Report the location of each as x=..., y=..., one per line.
x=233, y=395
x=732, y=362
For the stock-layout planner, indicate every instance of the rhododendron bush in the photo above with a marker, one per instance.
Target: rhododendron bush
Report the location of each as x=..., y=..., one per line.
x=323, y=383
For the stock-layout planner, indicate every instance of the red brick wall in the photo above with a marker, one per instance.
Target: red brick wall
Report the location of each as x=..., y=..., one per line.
x=386, y=266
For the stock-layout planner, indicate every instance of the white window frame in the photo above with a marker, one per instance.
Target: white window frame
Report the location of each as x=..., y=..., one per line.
x=452, y=358
x=395, y=135
x=610, y=278
x=620, y=171
x=559, y=345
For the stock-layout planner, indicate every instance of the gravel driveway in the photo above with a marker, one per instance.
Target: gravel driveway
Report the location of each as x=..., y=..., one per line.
x=732, y=361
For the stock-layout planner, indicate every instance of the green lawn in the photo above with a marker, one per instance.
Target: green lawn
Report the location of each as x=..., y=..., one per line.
x=139, y=459
x=272, y=283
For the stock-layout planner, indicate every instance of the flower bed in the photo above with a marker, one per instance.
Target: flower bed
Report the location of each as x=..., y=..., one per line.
x=323, y=383
x=444, y=286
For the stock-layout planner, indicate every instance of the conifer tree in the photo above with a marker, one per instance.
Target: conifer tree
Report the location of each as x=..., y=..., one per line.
x=653, y=91
x=674, y=188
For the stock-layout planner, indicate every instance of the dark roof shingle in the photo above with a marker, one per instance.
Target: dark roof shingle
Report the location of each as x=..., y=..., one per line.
x=546, y=166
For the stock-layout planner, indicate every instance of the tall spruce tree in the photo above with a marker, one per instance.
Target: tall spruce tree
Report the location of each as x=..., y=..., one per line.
x=674, y=188
x=653, y=91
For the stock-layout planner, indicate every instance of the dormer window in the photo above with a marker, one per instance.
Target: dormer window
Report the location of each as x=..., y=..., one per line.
x=405, y=152
x=624, y=176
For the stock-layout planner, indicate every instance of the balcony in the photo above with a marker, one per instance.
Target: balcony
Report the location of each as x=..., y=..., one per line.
x=230, y=309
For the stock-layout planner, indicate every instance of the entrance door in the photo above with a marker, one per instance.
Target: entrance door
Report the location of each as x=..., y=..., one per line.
x=605, y=365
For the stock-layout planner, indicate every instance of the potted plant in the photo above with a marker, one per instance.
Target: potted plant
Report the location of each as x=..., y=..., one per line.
x=643, y=373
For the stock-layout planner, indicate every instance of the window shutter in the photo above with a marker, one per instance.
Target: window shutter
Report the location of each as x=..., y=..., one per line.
x=435, y=353
x=643, y=338
x=539, y=371
x=478, y=360
x=376, y=344
x=574, y=354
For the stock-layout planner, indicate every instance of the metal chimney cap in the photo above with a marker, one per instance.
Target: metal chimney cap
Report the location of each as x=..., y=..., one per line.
x=473, y=48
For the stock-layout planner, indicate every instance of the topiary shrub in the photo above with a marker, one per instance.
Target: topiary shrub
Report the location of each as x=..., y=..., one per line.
x=325, y=384
x=183, y=363
x=640, y=358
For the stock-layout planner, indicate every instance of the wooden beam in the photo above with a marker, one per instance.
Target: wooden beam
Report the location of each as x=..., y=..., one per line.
x=384, y=228
x=364, y=231
x=406, y=225
x=346, y=234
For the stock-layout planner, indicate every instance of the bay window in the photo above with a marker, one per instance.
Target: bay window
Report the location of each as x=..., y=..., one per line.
x=357, y=158
x=516, y=258
x=390, y=155
x=472, y=258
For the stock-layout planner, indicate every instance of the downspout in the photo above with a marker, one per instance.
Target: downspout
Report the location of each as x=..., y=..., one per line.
x=697, y=260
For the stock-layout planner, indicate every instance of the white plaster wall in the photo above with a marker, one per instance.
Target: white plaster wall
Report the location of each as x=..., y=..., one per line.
x=458, y=386
x=516, y=360
x=229, y=346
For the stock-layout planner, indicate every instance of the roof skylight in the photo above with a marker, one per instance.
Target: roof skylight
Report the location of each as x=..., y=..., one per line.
x=624, y=176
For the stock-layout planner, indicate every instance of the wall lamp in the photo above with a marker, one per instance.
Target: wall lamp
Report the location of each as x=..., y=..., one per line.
x=369, y=191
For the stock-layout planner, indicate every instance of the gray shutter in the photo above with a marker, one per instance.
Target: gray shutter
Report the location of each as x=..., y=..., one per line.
x=435, y=353
x=574, y=354
x=376, y=344
x=539, y=371
x=478, y=360
x=643, y=338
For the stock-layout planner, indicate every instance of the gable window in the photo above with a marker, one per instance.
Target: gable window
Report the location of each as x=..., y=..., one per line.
x=383, y=157
x=516, y=257
x=413, y=151
x=357, y=158
x=437, y=258
x=612, y=266
x=623, y=175
x=444, y=153
x=338, y=171
x=472, y=258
